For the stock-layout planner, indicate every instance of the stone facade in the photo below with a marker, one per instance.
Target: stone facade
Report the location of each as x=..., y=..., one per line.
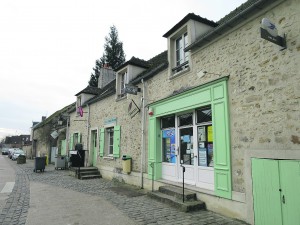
x=263, y=100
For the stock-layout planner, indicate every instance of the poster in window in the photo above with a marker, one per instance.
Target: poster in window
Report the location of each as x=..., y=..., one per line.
x=210, y=153
x=202, y=157
x=210, y=135
x=201, y=134
x=169, y=145
x=187, y=138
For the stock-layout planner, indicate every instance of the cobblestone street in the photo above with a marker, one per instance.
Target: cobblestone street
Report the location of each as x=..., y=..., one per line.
x=136, y=205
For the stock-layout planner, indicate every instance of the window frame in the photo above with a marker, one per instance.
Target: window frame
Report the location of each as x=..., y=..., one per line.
x=104, y=142
x=109, y=131
x=122, y=81
x=181, y=58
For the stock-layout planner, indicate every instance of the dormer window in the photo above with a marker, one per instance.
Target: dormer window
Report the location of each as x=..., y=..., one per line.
x=121, y=81
x=182, y=58
x=122, y=84
x=78, y=104
x=180, y=37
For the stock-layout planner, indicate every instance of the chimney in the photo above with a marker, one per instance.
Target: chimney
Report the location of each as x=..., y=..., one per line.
x=43, y=118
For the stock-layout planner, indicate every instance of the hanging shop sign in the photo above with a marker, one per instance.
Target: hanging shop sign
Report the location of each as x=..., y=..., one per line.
x=133, y=109
x=110, y=122
x=130, y=89
x=268, y=31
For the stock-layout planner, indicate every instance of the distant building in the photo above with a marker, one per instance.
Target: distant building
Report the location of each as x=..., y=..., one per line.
x=17, y=141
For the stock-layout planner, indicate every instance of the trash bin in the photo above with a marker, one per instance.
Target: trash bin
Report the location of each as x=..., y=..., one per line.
x=21, y=159
x=60, y=162
x=126, y=163
x=39, y=164
x=46, y=158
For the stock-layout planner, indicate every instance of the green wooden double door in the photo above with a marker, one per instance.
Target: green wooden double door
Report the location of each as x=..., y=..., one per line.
x=276, y=191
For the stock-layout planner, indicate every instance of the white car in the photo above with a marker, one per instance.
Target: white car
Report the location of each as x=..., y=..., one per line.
x=17, y=153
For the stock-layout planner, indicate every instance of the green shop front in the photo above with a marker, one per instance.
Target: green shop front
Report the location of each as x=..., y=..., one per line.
x=190, y=130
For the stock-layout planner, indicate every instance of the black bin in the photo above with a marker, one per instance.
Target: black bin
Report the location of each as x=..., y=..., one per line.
x=39, y=164
x=77, y=160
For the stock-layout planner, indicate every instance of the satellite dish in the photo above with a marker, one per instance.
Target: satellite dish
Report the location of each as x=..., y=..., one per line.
x=54, y=134
x=269, y=27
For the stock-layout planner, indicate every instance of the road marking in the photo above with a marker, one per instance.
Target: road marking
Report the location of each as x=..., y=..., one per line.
x=8, y=187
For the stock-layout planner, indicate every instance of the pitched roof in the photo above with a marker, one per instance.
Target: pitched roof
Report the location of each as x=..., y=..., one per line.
x=234, y=18
x=156, y=65
x=106, y=91
x=190, y=16
x=135, y=62
x=90, y=90
x=57, y=113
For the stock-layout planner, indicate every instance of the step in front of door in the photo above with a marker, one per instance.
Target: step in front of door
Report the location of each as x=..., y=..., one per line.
x=186, y=206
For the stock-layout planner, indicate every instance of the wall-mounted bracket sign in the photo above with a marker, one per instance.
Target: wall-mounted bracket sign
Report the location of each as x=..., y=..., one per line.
x=268, y=31
x=130, y=89
x=133, y=109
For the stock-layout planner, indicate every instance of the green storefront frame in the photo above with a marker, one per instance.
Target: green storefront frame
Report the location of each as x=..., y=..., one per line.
x=215, y=94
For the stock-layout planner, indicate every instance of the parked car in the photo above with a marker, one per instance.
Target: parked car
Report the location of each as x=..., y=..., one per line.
x=17, y=153
x=10, y=152
x=4, y=151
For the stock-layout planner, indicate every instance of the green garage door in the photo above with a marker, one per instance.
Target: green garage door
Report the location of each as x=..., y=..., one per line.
x=276, y=191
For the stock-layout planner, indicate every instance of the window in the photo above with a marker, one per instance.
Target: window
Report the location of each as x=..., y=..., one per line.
x=122, y=82
x=78, y=104
x=168, y=139
x=182, y=58
x=205, y=137
x=168, y=121
x=204, y=115
x=75, y=139
x=110, y=140
x=185, y=120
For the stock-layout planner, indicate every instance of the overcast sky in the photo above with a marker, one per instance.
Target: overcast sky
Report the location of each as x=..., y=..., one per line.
x=48, y=47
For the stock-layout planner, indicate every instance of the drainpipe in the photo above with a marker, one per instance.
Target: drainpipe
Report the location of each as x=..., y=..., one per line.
x=143, y=134
x=88, y=134
x=67, y=137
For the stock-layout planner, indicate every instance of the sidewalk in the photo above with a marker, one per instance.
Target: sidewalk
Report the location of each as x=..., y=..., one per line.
x=59, y=206
x=57, y=198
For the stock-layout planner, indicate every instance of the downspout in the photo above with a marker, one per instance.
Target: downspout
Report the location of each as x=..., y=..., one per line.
x=67, y=138
x=88, y=134
x=143, y=135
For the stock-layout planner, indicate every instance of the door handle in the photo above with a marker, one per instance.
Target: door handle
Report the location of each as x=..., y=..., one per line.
x=283, y=199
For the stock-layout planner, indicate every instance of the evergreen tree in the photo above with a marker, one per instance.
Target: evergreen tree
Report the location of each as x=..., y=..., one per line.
x=113, y=55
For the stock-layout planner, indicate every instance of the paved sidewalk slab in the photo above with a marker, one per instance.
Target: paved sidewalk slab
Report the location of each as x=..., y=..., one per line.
x=61, y=206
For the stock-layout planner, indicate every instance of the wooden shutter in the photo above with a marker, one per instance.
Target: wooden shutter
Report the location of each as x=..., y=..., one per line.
x=117, y=137
x=101, y=142
x=222, y=160
x=71, y=142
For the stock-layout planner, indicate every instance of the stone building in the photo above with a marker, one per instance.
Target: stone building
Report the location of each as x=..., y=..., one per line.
x=49, y=136
x=221, y=101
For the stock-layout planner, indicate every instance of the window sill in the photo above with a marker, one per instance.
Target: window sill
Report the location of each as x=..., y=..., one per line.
x=109, y=157
x=185, y=70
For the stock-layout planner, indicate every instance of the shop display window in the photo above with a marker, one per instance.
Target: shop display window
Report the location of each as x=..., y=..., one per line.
x=168, y=145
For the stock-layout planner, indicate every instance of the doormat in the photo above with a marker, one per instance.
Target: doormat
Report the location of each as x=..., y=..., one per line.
x=125, y=191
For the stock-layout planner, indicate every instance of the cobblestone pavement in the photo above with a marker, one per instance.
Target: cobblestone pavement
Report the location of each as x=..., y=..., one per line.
x=141, y=208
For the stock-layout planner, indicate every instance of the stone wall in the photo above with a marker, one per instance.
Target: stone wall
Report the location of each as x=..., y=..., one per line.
x=42, y=135
x=263, y=85
x=263, y=92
